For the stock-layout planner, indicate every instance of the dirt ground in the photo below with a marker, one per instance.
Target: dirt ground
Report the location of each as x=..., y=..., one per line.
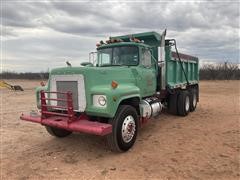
x=203, y=145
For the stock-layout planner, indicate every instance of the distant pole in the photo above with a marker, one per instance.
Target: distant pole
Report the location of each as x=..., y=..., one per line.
x=225, y=70
x=225, y=65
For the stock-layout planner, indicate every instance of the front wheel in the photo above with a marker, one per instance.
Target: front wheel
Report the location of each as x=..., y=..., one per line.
x=57, y=132
x=124, y=129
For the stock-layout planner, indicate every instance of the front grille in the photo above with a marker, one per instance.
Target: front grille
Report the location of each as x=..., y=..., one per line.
x=65, y=86
x=73, y=83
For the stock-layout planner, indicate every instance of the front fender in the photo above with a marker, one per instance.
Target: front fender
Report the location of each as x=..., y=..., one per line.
x=114, y=98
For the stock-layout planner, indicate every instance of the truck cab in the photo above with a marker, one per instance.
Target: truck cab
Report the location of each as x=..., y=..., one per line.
x=132, y=80
x=137, y=58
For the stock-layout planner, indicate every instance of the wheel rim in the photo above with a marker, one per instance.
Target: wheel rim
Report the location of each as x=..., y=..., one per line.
x=187, y=103
x=194, y=100
x=128, y=129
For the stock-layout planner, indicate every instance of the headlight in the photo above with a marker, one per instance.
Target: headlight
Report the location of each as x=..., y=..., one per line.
x=99, y=100
x=102, y=100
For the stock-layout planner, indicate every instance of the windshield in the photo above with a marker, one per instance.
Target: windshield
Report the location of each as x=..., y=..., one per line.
x=118, y=56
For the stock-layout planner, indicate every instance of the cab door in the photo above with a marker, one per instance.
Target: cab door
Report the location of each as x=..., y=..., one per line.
x=148, y=72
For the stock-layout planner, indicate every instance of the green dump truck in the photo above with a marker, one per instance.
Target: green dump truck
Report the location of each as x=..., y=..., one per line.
x=132, y=79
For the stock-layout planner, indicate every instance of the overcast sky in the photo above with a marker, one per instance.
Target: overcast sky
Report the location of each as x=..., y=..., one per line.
x=37, y=36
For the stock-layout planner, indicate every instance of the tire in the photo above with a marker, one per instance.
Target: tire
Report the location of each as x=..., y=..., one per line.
x=183, y=103
x=172, y=103
x=193, y=99
x=120, y=140
x=57, y=132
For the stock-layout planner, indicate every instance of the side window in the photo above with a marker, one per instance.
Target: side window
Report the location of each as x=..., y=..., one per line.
x=105, y=58
x=146, y=58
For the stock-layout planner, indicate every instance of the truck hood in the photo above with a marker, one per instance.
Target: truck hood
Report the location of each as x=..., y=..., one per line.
x=99, y=75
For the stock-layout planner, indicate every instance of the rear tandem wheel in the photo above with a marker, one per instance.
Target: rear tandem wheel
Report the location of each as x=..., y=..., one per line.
x=183, y=103
x=193, y=99
x=172, y=103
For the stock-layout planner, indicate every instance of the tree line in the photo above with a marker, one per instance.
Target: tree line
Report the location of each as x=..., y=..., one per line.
x=26, y=75
x=222, y=71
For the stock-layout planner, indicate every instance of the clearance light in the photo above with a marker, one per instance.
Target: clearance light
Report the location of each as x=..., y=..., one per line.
x=114, y=84
x=114, y=98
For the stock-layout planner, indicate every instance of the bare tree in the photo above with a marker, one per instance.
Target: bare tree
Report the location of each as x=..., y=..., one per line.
x=222, y=71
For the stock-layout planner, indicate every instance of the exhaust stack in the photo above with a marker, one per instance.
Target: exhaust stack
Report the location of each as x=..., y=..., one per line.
x=161, y=60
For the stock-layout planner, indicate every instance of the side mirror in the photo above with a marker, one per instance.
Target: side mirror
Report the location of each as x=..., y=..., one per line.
x=87, y=64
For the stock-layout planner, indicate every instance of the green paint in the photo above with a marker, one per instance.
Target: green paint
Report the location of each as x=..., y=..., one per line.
x=133, y=81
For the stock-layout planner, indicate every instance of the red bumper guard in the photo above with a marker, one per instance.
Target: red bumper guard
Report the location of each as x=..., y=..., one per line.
x=69, y=120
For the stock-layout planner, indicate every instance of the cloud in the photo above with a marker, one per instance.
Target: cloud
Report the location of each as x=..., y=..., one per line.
x=42, y=35
x=20, y=14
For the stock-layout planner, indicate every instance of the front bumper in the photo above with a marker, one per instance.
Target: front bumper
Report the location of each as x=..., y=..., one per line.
x=68, y=120
x=79, y=125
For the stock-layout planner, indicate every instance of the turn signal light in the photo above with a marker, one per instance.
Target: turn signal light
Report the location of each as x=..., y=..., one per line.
x=114, y=84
